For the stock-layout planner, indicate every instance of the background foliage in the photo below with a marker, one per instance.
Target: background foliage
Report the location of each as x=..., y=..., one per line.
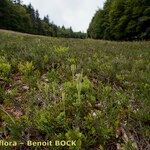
x=24, y=18
x=121, y=20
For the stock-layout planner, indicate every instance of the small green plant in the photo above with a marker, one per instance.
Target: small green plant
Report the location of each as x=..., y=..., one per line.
x=76, y=136
x=61, y=49
x=5, y=67
x=73, y=69
x=26, y=68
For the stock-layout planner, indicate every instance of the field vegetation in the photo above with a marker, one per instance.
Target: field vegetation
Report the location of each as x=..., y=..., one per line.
x=93, y=91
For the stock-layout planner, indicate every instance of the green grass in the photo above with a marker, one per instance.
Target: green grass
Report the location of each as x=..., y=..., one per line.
x=95, y=92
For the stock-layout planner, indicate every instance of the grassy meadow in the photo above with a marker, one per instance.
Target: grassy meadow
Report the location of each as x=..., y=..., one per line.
x=94, y=92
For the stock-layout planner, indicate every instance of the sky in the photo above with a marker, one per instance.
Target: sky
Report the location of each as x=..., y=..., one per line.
x=70, y=13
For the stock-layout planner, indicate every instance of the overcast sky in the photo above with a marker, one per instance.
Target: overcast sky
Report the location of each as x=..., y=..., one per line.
x=74, y=13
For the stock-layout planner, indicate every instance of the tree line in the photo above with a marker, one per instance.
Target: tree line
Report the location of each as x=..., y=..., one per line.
x=14, y=15
x=121, y=20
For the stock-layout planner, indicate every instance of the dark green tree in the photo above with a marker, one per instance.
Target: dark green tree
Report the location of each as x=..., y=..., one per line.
x=121, y=20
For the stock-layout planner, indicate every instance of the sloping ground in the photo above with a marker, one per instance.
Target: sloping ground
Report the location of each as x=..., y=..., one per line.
x=96, y=93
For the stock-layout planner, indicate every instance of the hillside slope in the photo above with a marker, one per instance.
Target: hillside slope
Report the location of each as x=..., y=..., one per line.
x=96, y=93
